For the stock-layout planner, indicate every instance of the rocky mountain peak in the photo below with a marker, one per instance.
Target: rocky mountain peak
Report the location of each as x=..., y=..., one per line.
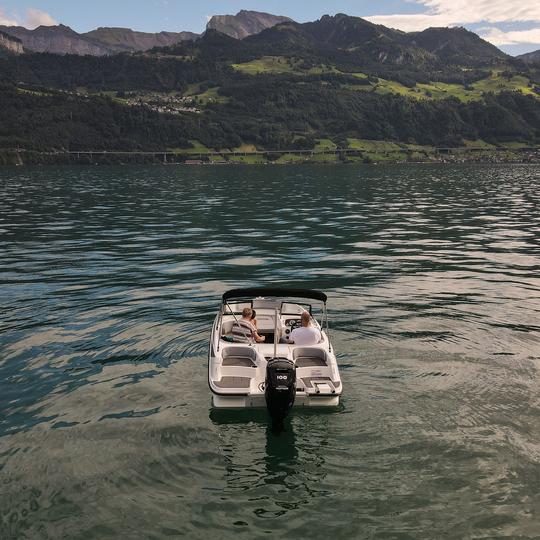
x=245, y=23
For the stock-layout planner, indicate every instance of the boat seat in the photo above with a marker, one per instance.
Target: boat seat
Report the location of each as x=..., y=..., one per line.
x=226, y=328
x=309, y=357
x=239, y=361
x=234, y=382
x=239, y=356
x=310, y=361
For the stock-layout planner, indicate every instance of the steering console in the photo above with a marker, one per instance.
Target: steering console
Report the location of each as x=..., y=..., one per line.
x=293, y=324
x=290, y=325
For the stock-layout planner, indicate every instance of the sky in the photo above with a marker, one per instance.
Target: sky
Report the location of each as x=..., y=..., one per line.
x=512, y=25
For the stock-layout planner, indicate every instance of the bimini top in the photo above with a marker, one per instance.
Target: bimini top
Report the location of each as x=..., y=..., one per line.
x=274, y=292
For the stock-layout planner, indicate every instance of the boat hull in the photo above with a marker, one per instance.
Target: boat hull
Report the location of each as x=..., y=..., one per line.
x=246, y=402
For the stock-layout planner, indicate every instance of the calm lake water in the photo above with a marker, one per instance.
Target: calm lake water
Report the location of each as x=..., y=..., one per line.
x=110, y=279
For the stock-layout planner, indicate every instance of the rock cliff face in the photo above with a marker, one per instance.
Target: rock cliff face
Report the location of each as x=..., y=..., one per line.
x=63, y=40
x=244, y=23
x=103, y=41
x=127, y=40
x=10, y=44
x=55, y=39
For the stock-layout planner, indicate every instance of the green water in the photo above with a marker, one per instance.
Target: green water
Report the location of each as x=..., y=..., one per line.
x=109, y=282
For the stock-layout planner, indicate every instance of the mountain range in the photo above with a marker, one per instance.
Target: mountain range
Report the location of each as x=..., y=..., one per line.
x=55, y=39
x=353, y=39
x=61, y=39
x=103, y=41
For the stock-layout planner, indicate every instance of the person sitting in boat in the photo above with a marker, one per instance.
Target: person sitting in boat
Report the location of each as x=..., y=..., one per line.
x=244, y=331
x=306, y=334
x=254, y=319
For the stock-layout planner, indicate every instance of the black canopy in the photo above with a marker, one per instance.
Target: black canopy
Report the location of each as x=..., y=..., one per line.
x=274, y=292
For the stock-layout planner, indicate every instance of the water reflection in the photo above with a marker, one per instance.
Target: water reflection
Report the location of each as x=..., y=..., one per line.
x=281, y=454
x=277, y=474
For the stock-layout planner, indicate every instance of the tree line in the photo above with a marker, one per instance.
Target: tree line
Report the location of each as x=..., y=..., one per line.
x=271, y=116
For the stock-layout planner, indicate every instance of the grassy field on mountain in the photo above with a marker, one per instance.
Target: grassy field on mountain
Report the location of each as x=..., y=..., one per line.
x=495, y=81
x=281, y=65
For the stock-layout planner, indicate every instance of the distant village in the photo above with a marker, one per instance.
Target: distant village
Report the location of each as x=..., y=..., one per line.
x=159, y=102
x=165, y=103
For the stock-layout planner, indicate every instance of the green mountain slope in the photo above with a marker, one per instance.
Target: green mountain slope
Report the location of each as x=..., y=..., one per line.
x=530, y=58
x=339, y=79
x=457, y=46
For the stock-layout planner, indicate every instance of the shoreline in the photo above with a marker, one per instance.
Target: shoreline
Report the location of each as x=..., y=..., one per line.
x=498, y=155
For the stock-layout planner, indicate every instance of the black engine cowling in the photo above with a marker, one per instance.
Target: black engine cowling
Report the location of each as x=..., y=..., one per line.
x=280, y=388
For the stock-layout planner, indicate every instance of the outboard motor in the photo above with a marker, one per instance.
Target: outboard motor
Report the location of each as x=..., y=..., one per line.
x=280, y=389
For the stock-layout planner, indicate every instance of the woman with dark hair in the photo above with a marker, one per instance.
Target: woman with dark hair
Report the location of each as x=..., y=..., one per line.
x=244, y=330
x=253, y=319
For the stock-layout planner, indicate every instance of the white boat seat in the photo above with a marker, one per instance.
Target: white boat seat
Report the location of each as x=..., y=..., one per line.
x=310, y=361
x=226, y=328
x=240, y=351
x=234, y=382
x=309, y=357
x=239, y=361
x=239, y=356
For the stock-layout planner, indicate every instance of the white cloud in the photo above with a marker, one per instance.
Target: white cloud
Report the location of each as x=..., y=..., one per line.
x=515, y=37
x=467, y=12
x=5, y=20
x=460, y=12
x=36, y=17
x=33, y=19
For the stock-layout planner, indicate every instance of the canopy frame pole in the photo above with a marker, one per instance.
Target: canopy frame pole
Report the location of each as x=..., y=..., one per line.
x=275, y=333
x=325, y=319
x=218, y=329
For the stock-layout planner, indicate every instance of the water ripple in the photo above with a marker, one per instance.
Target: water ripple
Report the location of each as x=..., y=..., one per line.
x=109, y=281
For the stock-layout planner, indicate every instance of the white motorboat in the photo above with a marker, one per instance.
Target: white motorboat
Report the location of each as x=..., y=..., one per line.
x=276, y=373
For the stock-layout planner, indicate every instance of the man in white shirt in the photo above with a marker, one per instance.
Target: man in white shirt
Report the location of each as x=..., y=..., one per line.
x=306, y=334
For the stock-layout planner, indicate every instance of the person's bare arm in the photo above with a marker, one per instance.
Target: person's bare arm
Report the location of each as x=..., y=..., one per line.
x=258, y=339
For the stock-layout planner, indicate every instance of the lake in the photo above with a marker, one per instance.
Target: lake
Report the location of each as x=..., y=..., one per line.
x=110, y=280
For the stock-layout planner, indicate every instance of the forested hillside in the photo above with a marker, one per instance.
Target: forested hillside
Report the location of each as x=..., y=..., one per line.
x=289, y=86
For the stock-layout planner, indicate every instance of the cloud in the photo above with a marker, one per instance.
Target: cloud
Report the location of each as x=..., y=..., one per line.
x=33, y=19
x=5, y=20
x=459, y=12
x=467, y=12
x=515, y=37
x=36, y=17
